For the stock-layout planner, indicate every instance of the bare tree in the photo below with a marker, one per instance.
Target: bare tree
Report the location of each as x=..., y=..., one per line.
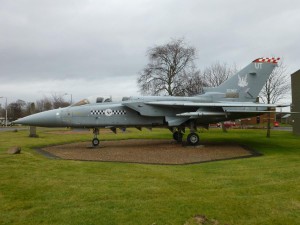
x=193, y=83
x=2, y=110
x=16, y=109
x=277, y=86
x=46, y=103
x=217, y=73
x=58, y=101
x=29, y=108
x=275, y=89
x=43, y=105
x=167, y=67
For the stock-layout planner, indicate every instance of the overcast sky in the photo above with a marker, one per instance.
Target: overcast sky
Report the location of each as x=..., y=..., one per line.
x=88, y=47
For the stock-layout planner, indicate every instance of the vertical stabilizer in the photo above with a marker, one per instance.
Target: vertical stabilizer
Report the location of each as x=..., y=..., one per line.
x=248, y=82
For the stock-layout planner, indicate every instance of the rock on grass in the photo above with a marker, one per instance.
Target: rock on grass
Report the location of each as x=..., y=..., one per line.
x=14, y=150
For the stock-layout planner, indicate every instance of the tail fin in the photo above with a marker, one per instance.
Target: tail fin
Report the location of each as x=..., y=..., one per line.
x=248, y=82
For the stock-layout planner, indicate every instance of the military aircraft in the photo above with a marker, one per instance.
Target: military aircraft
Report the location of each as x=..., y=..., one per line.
x=234, y=99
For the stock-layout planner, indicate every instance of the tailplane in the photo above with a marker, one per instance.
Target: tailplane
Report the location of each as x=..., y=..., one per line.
x=248, y=82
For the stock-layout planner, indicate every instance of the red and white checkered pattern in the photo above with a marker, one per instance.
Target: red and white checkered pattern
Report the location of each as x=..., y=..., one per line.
x=269, y=60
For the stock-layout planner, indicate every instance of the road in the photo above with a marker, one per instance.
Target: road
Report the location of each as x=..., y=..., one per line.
x=283, y=128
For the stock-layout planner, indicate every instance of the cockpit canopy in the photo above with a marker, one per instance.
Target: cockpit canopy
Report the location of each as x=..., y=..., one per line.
x=97, y=99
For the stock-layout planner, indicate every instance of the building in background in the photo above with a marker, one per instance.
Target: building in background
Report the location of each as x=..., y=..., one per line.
x=258, y=120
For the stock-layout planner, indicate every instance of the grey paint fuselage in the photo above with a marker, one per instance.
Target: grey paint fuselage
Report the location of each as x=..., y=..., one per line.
x=131, y=113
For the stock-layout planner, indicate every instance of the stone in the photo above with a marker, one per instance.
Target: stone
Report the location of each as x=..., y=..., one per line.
x=14, y=150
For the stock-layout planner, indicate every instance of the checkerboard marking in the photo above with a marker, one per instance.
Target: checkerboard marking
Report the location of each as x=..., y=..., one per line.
x=102, y=112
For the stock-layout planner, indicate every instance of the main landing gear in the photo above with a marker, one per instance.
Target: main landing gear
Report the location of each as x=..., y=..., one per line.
x=192, y=138
x=95, y=141
x=177, y=136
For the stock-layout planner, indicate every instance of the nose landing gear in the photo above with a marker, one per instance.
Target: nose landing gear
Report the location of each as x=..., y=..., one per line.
x=95, y=141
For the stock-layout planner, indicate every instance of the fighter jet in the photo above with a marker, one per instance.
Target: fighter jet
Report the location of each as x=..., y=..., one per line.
x=234, y=99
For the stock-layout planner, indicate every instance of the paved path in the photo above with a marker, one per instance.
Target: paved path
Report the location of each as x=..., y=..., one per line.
x=3, y=129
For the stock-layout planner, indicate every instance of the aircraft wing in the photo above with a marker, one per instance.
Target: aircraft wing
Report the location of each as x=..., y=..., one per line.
x=217, y=104
x=224, y=113
x=178, y=112
x=216, y=109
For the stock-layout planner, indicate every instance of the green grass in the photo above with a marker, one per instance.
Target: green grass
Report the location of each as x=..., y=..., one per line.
x=258, y=190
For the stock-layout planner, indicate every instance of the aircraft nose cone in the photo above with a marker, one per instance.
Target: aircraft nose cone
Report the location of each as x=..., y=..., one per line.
x=49, y=118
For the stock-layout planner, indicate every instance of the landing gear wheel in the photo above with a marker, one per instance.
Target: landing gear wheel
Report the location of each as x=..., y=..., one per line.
x=177, y=136
x=95, y=142
x=193, y=139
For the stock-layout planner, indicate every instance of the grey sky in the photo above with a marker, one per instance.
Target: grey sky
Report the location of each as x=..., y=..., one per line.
x=98, y=47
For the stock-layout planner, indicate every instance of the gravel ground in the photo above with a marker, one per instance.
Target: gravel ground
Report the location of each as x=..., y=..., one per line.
x=147, y=151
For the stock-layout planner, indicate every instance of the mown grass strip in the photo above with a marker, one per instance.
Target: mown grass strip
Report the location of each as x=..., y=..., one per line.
x=259, y=190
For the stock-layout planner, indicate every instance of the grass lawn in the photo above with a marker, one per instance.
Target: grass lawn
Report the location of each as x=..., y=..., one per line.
x=259, y=190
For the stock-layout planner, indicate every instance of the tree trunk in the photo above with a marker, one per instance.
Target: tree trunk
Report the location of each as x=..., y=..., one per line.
x=224, y=129
x=269, y=125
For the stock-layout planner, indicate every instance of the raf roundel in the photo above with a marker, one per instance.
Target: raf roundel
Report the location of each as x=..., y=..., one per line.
x=108, y=112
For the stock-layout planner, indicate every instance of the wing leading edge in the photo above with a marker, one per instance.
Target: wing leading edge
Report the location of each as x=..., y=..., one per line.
x=217, y=104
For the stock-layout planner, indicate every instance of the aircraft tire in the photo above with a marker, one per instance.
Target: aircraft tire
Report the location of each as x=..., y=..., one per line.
x=95, y=142
x=177, y=136
x=193, y=139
